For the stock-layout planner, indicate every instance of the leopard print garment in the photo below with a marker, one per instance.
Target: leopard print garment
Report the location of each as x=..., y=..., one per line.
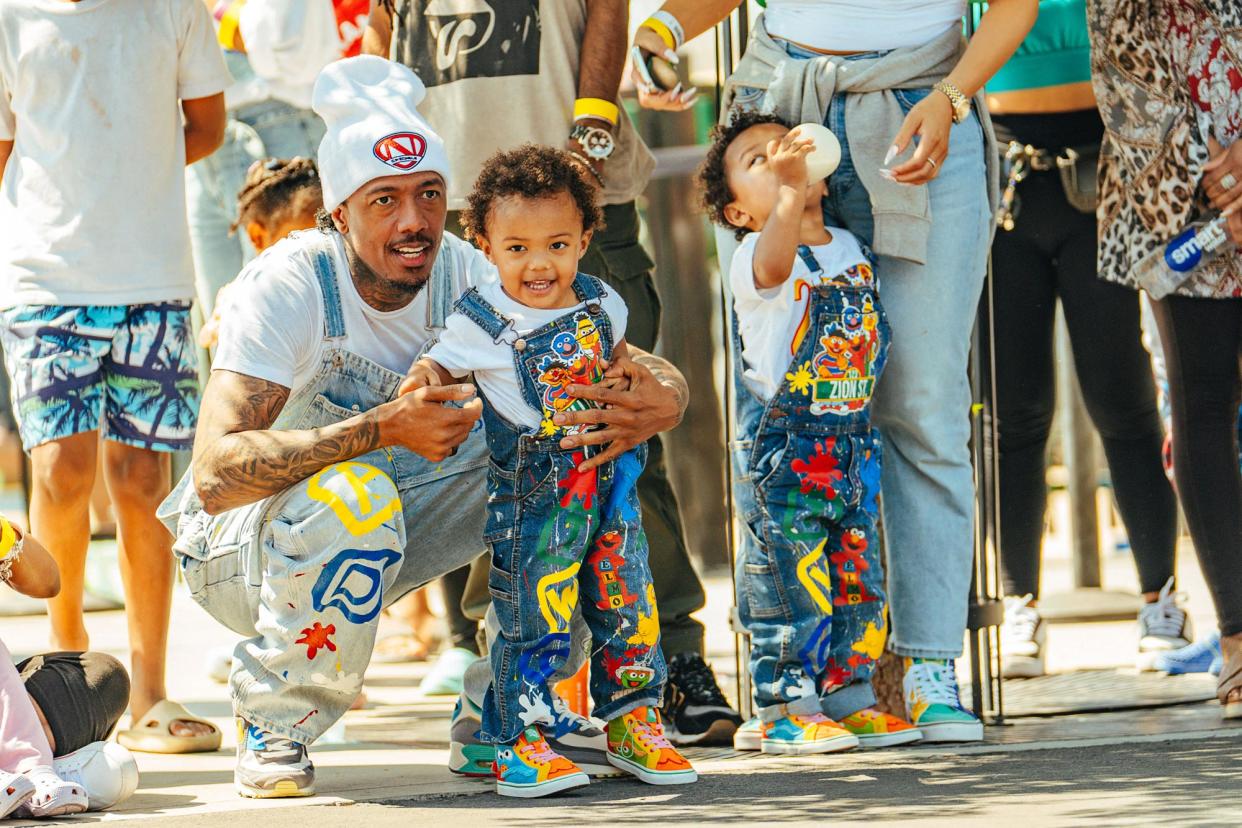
x=1166, y=74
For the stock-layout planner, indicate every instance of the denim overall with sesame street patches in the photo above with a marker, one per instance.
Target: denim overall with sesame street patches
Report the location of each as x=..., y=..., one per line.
x=809, y=581
x=560, y=537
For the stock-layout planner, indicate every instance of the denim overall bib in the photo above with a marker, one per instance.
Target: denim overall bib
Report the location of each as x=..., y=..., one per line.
x=561, y=538
x=809, y=583
x=303, y=575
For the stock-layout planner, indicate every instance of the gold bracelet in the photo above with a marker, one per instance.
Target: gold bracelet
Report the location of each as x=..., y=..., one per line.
x=596, y=108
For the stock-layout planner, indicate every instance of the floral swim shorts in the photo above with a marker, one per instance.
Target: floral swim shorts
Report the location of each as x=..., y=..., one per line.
x=128, y=370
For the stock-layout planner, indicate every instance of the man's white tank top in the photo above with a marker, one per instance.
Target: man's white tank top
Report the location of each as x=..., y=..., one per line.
x=861, y=25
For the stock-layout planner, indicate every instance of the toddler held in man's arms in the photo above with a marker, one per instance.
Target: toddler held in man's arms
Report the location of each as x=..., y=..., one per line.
x=811, y=340
x=561, y=538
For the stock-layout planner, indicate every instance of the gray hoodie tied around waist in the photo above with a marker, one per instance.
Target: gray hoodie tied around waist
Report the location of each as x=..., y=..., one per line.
x=801, y=90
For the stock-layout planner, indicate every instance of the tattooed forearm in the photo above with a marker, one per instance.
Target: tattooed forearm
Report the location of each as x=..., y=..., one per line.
x=239, y=460
x=666, y=373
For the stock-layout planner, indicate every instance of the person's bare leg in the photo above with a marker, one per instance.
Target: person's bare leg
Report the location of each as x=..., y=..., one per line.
x=63, y=474
x=138, y=481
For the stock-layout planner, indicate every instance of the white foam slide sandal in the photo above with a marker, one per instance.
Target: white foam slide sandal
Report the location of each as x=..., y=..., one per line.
x=106, y=770
x=53, y=796
x=15, y=790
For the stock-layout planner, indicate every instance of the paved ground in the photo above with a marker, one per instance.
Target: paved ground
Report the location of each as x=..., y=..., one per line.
x=384, y=764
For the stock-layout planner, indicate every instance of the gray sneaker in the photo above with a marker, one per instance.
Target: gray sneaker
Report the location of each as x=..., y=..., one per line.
x=572, y=736
x=271, y=766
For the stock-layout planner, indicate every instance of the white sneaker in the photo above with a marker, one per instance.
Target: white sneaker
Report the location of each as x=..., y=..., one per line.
x=1163, y=626
x=106, y=770
x=1022, y=639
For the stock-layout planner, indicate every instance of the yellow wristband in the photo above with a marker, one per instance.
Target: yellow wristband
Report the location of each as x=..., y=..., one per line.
x=8, y=538
x=229, y=24
x=596, y=108
x=665, y=33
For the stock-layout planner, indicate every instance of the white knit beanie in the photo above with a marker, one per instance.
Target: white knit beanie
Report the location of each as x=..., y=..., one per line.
x=374, y=129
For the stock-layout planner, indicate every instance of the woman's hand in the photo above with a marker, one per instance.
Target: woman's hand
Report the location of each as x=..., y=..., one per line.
x=1222, y=183
x=650, y=96
x=930, y=120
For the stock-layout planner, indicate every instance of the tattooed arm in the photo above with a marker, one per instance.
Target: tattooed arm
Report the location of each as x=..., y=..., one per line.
x=239, y=459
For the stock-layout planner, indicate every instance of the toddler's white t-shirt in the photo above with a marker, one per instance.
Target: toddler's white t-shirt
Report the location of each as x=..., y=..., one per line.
x=92, y=206
x=465, y=348
x=770, y=320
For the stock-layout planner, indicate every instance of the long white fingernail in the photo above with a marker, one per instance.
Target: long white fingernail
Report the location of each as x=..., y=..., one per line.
x=892, y=153
x=672, y=57
x=887, y=173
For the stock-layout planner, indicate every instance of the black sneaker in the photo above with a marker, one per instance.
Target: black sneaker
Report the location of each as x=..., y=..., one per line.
x=695, y=711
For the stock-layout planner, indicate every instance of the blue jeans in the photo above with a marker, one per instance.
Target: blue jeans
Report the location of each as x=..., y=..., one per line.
x=922, y=404
x=810, y=585
x=561, y=538
x=271, y=129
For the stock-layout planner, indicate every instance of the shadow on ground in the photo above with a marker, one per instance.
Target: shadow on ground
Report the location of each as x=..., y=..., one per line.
x=1180, y=784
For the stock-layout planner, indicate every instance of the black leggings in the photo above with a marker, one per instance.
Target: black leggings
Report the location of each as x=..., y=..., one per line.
x=82, y=695
x=1203, y=353
x=1050, y=255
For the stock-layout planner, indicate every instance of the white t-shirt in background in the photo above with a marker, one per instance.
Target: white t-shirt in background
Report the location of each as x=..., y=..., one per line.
x=465, y=348
x=272, y=322
x=769, y=319
x=861, y=25
x=92, y=206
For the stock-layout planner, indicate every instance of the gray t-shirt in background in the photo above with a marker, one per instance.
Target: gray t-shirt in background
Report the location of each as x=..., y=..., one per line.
x=501, y=73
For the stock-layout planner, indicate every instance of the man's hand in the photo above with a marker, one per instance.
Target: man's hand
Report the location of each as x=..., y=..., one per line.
x=630, y=417
x=420, y=375
x=420, y=421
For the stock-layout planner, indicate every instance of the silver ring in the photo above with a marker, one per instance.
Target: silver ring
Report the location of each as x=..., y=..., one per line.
x=1228, y=181
x=932, y=161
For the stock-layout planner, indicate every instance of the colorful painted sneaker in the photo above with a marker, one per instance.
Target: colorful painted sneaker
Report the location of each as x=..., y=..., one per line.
x=271, y=766
x=572, y=736
x=801, y=735
x=1163, y=627
x=1203, y=656
x=935, y=708
x=875, y=729
x=529, y=768
x=749, y=736
x=638, y=746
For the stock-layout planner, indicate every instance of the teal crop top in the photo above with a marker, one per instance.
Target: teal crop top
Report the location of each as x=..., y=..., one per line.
x=1056, y=51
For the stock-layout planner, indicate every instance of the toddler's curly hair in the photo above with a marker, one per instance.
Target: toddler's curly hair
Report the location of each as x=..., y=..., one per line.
x=530, y=171
x=711, y=180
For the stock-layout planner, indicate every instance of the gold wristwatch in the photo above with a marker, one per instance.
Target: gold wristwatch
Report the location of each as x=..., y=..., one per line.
x=960, y=103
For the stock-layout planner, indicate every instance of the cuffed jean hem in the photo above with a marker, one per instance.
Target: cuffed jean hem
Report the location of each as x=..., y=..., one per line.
x=619, y=707
x=922, y=652
x=805, y=706
x=297, y=734
x=847, y=700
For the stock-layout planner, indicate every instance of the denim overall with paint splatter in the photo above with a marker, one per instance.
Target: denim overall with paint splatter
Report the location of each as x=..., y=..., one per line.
x=809, y=582
x=560, y=537
x=302, y=575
